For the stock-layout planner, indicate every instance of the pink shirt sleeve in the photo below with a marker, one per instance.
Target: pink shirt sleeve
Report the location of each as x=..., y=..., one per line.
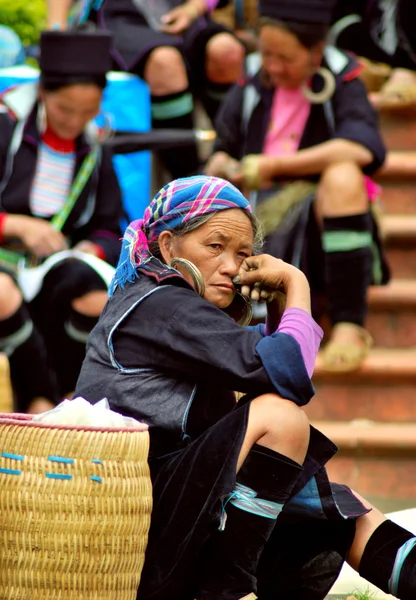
x=211, y=4
x=302, y=327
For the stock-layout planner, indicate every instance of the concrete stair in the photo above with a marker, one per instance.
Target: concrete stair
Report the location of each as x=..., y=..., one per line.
x=371, y=414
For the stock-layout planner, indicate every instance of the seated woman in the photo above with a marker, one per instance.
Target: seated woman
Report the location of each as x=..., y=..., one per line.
x=180, y=54
x=58, y=191
x=242, y=502
x=307, y=150
x=383, y=32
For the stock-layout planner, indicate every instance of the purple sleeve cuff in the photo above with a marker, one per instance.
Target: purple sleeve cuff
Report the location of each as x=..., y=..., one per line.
x=302, y=327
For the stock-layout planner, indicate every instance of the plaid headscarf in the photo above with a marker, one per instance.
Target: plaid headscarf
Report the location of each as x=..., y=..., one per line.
x=176, y=203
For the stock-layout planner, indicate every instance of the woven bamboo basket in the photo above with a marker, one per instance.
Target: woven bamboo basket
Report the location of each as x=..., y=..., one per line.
x=75, y=506
x=6, y=394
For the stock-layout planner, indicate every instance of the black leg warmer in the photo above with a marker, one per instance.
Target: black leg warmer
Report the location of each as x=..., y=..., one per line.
x=230, y=563
x=389, y=561
x=347, y=243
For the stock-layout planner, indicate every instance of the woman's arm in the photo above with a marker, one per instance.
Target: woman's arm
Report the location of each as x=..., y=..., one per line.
x=179, y=19
x=312, y=161
x=37, y=235
x=104, y=227
x=177, y=332
x=57, y=13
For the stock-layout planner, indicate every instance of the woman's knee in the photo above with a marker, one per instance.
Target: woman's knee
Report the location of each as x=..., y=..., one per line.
x=165, y=71
x=280, y=425
x=224, y=58
x=10, y=296
x=90, y=305
x=341, y=190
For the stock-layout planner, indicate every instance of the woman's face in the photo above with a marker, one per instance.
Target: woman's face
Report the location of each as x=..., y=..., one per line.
x=286, y=62
x=69, y=109
x=217, y=248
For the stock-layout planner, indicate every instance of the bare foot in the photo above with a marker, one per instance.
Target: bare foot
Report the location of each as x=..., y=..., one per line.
x=399, y=92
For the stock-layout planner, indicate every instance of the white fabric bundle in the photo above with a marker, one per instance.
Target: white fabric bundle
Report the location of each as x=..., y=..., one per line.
x=80, y=412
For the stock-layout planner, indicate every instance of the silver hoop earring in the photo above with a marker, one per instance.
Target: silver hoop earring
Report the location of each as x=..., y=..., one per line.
x=240, y=309
x=327, y=91
x=247, y=315
x=194, y=272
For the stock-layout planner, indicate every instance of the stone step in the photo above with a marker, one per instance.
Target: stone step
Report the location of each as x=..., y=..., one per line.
x=384, y=388
x=399, y=234
x=399, y=197
x=398, y=166
x=391, y=317
x=375, y=459
x=399, y=130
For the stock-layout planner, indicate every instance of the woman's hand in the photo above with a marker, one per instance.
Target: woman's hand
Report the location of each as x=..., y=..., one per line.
x=263, y=277
x=257, y=170
x=179, y=19
x=38, y=235
x=88, y=247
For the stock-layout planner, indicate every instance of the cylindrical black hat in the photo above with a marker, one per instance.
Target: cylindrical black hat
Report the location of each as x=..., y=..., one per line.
x=75, y=53
x=299, y=11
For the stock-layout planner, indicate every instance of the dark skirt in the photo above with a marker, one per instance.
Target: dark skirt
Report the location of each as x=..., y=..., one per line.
x=316, y=527
x=297, y=240
x=134, y=39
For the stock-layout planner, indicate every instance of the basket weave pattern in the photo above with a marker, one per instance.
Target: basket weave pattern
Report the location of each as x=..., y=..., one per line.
x=75, y=508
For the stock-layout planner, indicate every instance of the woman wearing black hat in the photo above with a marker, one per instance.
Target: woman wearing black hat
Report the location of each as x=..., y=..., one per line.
x=58, y=190
x=302, y=121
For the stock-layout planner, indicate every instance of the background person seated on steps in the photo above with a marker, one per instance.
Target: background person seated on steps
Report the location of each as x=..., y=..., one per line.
x=180, y=52
x=300, y=131
x=58, y=191
x=383, y=32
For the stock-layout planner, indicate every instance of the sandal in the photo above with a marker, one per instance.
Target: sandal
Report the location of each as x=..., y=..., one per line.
x=398, y=93
x=343, y=357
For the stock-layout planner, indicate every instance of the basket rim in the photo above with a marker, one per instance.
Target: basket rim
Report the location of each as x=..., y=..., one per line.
x=27, y=420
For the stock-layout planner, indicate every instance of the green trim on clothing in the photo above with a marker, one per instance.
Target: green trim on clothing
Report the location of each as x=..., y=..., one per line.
x=346, y=241
x=172, y=109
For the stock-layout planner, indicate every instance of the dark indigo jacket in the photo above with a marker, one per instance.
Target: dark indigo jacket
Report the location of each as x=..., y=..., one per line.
x=163, y=355
x=97, y=212
x=353, y=117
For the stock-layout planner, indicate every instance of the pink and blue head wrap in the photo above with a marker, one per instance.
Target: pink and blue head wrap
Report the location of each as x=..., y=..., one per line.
x=175, y=204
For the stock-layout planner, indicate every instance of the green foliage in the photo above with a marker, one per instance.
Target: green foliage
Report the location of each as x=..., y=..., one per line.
x=357, y=595
x=26, y=17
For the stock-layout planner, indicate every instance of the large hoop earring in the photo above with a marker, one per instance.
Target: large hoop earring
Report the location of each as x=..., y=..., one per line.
x=240, y=309
x=194, y=272
x=326, y=93
x=247, y=315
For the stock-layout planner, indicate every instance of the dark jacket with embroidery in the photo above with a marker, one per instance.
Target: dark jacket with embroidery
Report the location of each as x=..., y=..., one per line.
x=163, y=355
x=97, y=212
x=348, y=115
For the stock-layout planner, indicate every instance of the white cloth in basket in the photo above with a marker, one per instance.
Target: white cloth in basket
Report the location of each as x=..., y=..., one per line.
x=80, y=412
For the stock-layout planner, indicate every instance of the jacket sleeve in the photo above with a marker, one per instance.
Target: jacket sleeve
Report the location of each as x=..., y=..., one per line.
x=176, y=331
x=228, y=124
x=357, y=121
x=104, y=227
x=7, y=125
